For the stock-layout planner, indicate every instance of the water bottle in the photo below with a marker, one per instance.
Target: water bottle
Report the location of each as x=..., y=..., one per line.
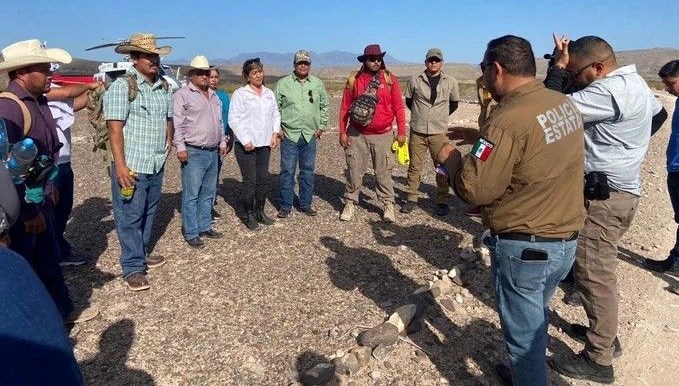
x=22, y=156
x=127, y=192
x=4, y=141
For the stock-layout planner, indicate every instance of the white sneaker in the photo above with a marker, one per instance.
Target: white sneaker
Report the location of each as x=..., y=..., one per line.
x=389, y=215
x=348, y=211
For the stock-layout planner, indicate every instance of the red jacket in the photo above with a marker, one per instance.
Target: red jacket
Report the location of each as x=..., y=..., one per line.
x=389, y=106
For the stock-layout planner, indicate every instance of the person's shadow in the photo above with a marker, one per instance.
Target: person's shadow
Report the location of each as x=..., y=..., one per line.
x=109, y=367
x=169, y=205
x=374, y=276
x=637, y=260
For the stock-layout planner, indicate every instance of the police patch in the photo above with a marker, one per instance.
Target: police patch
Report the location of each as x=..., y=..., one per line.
x=482, y=148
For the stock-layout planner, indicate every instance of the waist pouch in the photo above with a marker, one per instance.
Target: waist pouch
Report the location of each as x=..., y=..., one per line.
x=596, y=186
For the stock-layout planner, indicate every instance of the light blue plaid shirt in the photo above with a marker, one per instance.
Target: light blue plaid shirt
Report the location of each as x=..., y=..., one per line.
x=145, y=127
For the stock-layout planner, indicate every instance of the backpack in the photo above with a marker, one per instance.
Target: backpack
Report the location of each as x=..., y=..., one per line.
x=28, y=120
x=95, y=114
x=362, y=109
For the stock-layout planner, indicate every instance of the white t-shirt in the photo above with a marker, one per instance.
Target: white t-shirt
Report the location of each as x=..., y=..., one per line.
x=62, y=112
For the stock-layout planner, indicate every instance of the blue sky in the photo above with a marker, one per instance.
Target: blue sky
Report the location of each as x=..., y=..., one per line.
x=405, y=29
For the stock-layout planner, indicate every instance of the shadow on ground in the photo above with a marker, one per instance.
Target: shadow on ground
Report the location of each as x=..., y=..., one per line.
x=109, y=366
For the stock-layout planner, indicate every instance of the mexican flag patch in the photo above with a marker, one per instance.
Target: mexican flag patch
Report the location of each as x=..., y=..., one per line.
x=482, y=149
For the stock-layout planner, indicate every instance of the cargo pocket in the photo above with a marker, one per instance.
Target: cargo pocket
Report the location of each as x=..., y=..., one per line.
x=529, y=276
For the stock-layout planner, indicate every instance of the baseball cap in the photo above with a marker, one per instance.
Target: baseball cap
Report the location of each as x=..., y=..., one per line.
x=302, y=56
x=434, y=52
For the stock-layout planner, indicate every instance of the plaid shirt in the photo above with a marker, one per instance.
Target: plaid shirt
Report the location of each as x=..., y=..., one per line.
x=145, y=128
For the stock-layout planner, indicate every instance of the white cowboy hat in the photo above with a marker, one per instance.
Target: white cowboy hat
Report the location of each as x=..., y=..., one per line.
x=198, y=63
x=28, y=52
x=142, y=42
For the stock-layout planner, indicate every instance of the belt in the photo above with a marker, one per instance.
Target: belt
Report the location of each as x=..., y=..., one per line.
x=208, y=148
x=533, y=238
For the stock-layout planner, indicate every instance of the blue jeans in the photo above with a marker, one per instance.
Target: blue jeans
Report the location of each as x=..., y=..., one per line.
x=42, y=252
x=673, y=189
x=523, y=291
x=32, y=332
x=134, y=219
x=62, y=210
x=199, y=186
x=291, y=153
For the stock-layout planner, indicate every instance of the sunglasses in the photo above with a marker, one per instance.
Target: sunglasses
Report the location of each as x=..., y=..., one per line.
x=311, y=97
x=433, y=60
x=201, y=72
x=303, y=64
x=374, y=59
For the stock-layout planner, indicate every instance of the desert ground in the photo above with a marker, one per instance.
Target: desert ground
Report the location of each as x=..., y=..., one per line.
x=262, y=308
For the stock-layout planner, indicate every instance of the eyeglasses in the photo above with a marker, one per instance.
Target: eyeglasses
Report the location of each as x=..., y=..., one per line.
x=303, y=64
x=374, y=59
x=433, y=60
x=311, y=97
x=580, y=71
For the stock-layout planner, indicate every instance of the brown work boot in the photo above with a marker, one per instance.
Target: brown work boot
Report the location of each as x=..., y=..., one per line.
x=137, y=282
x=153, y=261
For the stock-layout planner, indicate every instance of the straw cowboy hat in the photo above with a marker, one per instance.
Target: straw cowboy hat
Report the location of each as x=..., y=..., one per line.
x=28, y=52
x=142, y=42
x=198, y=63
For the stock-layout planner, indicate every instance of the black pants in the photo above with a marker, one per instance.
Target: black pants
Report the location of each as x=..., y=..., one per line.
x=254, y=168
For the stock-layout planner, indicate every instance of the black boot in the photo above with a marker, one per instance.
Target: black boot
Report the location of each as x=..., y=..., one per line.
x=260, y=215
x=581, y=367
x=250, y=221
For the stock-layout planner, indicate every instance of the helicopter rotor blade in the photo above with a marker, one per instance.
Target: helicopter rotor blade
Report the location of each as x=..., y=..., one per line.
x=103, y=46
x=171, y=37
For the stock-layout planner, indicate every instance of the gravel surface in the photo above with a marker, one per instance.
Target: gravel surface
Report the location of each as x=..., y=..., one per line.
x=261, y=308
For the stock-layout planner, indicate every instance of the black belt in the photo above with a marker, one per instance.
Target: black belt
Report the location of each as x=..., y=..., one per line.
x=203, y=147
x=533, y=238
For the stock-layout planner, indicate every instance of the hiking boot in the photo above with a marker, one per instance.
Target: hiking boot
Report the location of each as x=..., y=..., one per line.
x=504, y=373
x=215, y=215
x=195, y=243
x=262, y=218
x=579, y=332
x=153, y=261
x=250, y=221
x=137, y=282
x=72, y=260
x=211, y=234
x=388, y=215
x=473, y=211
x=348, y=211
x=442, y=210
x=85, y=315
x=408, y=207
x=581, y=367
x=659, y=265
x=309, y=211
x=283, y=213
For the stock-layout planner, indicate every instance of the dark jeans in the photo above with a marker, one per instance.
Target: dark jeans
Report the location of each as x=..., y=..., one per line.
x=673, y=189
x=62, y=210
x=34, y=347
x=134, y=219
x=291, y=153
x=254, y=168
x=42, y=252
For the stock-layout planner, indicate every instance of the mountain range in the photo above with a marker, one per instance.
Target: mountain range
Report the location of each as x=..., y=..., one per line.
x=273, y=59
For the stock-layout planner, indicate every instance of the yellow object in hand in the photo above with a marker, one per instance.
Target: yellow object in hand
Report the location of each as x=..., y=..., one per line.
x=401, y=152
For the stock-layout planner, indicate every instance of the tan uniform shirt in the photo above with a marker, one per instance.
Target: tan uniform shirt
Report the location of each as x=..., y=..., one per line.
x=428, y=118
x=527, y=170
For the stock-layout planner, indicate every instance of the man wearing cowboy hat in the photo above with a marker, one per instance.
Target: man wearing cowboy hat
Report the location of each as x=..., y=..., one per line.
x=28, y=65
x=200, y=140
x=140, y=133
x=370, y=138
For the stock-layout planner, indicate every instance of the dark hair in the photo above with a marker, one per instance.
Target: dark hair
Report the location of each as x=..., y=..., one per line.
x=215, y=69
x=669, y=70
x=590, y=48
x=513, y=53
x=250, y=65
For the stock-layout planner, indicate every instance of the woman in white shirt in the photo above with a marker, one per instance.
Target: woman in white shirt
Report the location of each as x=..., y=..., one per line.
x=256, y=123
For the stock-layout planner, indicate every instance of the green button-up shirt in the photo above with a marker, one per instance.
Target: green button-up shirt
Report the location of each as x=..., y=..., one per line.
x=145, y=127
x=303, y=106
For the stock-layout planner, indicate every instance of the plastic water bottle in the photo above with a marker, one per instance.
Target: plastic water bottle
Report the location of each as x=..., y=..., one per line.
x=22, y=156
x=4, y=141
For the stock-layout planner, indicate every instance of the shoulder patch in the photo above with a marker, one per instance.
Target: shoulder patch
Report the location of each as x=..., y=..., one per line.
x=482, y=149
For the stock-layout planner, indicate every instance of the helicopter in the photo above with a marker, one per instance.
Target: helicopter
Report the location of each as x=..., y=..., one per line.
x=109, y=71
